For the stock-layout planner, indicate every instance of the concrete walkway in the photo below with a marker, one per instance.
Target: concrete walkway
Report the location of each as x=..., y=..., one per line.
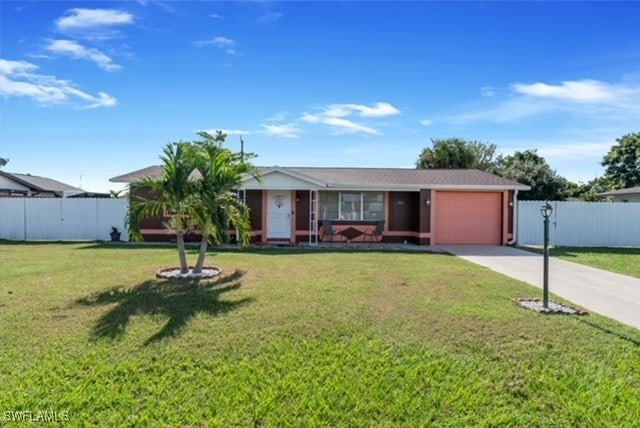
x=610, y=294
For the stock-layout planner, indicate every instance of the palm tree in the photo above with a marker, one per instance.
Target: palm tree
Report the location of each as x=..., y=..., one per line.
x=197, y=190
x=173, y=193
x=221, y=171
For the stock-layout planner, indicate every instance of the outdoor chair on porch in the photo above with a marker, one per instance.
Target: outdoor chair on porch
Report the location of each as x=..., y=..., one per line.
x=328, y=230
x=375, y=233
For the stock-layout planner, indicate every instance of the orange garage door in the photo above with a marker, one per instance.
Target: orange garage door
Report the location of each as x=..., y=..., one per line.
x=468, y=218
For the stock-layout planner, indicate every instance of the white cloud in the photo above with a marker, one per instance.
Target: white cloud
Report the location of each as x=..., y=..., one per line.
x=337, y=110
x=345, y=126
x=335, y=115
x=581, y=91
x=102, y=100
x=312, y=118
x=573, y=145
x=162, y=5
x=216, y=16
x=340, y=125
x=269, y=18
x=10, y=67
x=509, y=111
x=220, y=42
x=285, y=130
x=18, y=80
x=576, y=155
x=379, y=109
x=77, y=51
x=426, y=122
x=576, y=150
x=79, y=19
x=223, y=42
x=591, y=100
x=278, y=117
x=487, y=91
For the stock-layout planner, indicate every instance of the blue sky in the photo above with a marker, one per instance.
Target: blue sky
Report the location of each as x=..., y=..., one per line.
x=91, y=90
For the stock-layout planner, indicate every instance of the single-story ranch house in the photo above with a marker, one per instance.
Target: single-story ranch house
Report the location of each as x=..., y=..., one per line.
x=422, y=206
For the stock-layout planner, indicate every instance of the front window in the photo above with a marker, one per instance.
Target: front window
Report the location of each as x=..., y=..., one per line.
x=351, y=205
x=373, y=205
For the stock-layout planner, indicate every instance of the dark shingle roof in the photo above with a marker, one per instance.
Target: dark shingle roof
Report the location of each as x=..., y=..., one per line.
x=41, y=184
x=385, y=177
x=372, y=177
x=44, y=183
x=130, y=177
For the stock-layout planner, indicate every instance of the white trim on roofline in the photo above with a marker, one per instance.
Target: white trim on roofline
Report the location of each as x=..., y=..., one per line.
x=288, y=172
x=281, y=188
x=396, y=188
x=417, y=187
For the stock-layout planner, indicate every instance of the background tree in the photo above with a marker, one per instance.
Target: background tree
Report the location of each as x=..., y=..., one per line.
x=3, y=162
x=485, y=154
x=622, y=163
x=457, y=153
x=529, y=168
x=587, y=191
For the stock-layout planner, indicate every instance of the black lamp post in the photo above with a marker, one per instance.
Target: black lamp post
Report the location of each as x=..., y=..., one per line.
x=546, y=211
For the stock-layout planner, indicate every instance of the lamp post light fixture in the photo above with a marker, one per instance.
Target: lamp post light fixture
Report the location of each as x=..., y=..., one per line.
x=546, y=210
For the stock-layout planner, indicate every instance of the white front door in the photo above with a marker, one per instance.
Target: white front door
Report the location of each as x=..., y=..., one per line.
x=279, y=214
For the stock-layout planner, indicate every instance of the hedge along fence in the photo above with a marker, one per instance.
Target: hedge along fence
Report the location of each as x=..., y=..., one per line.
x=62, y=219
x=581, y=224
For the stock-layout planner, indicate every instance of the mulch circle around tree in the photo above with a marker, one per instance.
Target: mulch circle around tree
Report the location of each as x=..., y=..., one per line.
x=554, y=308
x=208, y=272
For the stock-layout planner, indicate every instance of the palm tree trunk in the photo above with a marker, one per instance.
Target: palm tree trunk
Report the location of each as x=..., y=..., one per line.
x=203, y=253
x=184, y=267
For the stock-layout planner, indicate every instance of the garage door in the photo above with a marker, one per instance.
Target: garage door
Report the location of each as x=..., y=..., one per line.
x=468, y=218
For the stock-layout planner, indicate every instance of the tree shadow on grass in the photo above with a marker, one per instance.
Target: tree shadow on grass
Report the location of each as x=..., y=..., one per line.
x=179, y=300
x=620, y=336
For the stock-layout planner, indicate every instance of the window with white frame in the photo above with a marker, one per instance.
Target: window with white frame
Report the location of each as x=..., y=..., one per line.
x=351, y=205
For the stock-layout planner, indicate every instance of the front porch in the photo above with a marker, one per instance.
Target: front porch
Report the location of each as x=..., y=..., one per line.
x=296, y=216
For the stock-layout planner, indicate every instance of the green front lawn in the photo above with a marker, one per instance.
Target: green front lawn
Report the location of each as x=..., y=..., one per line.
x=294, y=338
x=621, y=260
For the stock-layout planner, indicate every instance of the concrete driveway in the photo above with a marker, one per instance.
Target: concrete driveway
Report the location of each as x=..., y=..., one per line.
x=610, y=294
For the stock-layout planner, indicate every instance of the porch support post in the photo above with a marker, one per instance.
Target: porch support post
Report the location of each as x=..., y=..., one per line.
x=313, y=217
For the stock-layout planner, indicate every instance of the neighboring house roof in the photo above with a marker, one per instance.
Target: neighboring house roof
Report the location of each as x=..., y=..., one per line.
x=379, y=178
x=622, y=192
x=36, y=184
x=154, y=171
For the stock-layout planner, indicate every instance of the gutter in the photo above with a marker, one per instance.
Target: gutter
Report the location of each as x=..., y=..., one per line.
x=515, y=219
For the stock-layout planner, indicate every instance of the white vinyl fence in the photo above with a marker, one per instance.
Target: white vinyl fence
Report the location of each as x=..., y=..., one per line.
x=62, y=219
x=580, y=224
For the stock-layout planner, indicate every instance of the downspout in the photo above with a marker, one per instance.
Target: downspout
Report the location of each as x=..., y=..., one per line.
x=515, y=218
